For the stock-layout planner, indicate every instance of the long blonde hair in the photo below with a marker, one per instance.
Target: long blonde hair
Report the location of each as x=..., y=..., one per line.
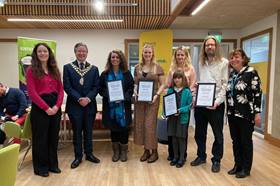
x=218, y=52
x=187, y=61
x=153, y=61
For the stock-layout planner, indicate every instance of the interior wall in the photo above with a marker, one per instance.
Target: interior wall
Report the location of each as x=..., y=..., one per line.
x=275, y=128
x=100, y=43
x=268, y=22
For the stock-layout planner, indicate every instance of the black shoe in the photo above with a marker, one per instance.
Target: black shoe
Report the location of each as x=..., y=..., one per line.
x=43, y=174
x=242, y=174
x=92, y=159
x=180, y=164
x=75, y=163
x=173, y=162
x=216, y=166
x=234, y=170
x=169, y=158
x=55, y=170
x=197, y=161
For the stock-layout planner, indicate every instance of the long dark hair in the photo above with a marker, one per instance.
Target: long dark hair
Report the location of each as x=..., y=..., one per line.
x=180, y=74
x=36, y=64
x=123, y=62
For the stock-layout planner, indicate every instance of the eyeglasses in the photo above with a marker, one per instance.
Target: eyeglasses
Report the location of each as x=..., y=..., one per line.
x=208, y=45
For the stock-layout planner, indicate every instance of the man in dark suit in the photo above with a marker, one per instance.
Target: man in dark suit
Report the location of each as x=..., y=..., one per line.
x=81, y=82
x=13, y=106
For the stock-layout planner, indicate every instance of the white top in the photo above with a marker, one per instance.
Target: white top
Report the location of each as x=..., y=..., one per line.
x=215, y=72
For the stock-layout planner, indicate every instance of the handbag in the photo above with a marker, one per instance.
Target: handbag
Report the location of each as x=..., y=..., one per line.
x=162, y=131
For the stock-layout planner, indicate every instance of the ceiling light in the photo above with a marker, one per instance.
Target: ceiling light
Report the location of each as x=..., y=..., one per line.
x=2, y=3
x=99, y=5
x=200, y=7
x=64, y=20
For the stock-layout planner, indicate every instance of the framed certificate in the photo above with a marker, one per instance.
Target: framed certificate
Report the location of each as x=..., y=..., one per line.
x=170, y=104
x=115, y=91
x=145, y=90
x=205, y=94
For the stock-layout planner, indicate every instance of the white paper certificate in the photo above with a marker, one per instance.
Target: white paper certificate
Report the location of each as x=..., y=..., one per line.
x=205, y=94
x=145, y=91
x=115, y=91
x=170, y=104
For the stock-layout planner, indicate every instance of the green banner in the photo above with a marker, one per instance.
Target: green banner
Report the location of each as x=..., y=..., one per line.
x=25, y=48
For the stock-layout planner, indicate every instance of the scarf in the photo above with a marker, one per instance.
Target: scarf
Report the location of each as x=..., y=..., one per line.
x=117, y=110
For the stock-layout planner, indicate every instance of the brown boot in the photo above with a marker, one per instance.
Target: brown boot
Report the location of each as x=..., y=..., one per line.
x=153, y=157
x=116, y=151
x=146, y=155
x=123, y=154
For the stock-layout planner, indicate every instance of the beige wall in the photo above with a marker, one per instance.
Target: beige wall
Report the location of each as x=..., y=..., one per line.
x=99, y=42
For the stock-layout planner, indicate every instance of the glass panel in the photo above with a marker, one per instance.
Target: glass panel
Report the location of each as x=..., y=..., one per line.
x=133, y=56
x=257, y=49
x=225, y=50
x=195, y=57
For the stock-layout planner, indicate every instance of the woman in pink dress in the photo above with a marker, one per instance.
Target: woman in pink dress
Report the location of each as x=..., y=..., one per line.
x=181, y=61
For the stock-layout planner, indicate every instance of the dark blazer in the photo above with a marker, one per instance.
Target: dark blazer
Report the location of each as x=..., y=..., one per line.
x=14, y=102
x=128, y=84
x=74, y=90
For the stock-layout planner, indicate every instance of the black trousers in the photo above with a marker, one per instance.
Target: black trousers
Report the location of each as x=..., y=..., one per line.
x=45, y=131
x=82, y=125
x=241, y=131
x=179, y=148
x=120, y=136
x=171, y=149
x=203, y=116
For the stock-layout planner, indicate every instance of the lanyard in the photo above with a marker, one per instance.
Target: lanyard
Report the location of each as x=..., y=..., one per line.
x=233, y=83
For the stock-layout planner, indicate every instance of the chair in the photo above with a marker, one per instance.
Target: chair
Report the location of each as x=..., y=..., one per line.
x=12, y=129
x=8, y=162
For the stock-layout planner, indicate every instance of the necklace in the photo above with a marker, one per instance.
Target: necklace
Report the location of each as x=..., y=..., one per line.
x=82, y=72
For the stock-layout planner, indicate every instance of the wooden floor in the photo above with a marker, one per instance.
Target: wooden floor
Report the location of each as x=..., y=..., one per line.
x=265, y=171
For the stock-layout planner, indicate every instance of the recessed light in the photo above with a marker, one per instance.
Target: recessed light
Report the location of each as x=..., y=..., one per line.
x=64, y=20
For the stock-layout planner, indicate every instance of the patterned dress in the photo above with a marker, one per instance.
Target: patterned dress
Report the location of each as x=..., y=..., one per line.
x=145, y=117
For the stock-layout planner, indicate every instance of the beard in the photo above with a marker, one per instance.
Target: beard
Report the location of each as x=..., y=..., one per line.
x=210, y=53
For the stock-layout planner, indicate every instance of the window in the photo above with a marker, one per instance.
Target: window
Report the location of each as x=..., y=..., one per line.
x=257, y=46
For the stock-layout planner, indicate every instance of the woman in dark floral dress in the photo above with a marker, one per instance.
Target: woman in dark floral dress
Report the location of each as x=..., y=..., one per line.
x=244, y=107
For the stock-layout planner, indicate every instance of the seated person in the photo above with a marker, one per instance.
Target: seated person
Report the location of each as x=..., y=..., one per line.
x=13, y=106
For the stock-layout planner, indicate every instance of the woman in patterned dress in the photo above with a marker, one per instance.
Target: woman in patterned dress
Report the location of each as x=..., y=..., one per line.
x=244, y=107
x=145, y=117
